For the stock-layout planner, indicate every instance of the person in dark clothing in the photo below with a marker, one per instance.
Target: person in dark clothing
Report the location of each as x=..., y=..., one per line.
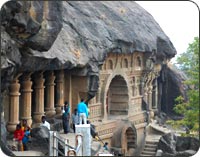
x=92, y=129
x=75, y=119
x=105, y=146
x=65, y=118
x=26, y=137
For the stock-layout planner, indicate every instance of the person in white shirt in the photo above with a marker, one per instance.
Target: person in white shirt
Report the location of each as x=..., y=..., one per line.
x=45, y=123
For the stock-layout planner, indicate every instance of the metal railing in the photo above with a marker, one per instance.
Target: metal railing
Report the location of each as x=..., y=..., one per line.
x=55, y=139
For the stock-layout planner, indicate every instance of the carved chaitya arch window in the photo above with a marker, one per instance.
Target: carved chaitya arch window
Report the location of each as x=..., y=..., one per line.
x=138, y=61
x=125, y=63
x=104, y=67
x=101, y=67
x=110, y=64
x=134, y=86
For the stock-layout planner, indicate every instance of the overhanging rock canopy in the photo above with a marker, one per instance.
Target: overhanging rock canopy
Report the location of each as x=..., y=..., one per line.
x=89, y=31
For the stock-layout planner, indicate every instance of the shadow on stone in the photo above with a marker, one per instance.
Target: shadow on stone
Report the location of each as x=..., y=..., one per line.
x=39, y=140
x=172, y=145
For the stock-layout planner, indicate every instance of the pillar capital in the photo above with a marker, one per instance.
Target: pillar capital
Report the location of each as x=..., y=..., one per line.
x=60, y=76
x=50, y=79
x=14, y=88
x=27, y=76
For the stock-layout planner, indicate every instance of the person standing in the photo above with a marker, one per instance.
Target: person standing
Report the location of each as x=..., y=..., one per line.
x=105, y=146
x=18, y=136
x=66, y=105
x=75, y=119
x=44, y=122
x=66, y=117
x=26, y=138
x=82, y=112
x=24, y=124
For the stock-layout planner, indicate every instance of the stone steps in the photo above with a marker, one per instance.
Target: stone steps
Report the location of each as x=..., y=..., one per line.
x=150, y=148
x=148, y=153
x=152, y=142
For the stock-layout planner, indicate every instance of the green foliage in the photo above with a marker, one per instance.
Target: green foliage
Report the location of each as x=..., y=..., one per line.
x=189, y=63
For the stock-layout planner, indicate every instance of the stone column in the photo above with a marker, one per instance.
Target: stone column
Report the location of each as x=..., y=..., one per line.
x=105, y=108
x=145, y=94
x=39, y=97
x=150, y=97
x=50, y=110
x=98, y=96
x=59, y=91
x=155, y=95
x=150, y=101
x=26, y=98
x=14, y=105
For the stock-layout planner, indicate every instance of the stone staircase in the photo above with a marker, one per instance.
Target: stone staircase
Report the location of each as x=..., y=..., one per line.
x=149, y=148
x=151, y=144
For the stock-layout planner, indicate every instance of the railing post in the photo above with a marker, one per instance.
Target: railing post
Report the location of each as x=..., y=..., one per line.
x=79, y=144
x=86, y=144
x=66, y=148
x=51, y=150
x=55, y=144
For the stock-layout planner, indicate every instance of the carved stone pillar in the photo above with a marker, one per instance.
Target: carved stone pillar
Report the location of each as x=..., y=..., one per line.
x=14, y=105
x=137, y=89
x=39, y=97
x=106, y=107
x=59, y=91
x=98, y=96
x=50, y=110
x=26, y=98
x=145, y=94
x=155, y=95
x=150, y=97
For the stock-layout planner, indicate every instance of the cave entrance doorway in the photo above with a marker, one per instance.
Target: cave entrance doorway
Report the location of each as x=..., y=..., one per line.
x=128, y=141
x=131, y=137
x=117, y=97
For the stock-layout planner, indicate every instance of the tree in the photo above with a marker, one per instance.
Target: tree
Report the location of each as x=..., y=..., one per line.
x=189, y=63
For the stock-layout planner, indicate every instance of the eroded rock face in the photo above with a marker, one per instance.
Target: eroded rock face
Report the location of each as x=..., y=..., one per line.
x=4, y=146
x=73, y=34
x=40, y=139
x=33, y=24
x=173, y=145
x=172, y=87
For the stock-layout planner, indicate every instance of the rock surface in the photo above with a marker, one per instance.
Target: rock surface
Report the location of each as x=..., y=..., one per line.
x=173, y=145
x=4, y=147
x=40, y=140
x=77, y=34
x=172, y=87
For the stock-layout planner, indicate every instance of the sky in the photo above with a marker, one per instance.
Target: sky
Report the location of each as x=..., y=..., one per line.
x=178, y=19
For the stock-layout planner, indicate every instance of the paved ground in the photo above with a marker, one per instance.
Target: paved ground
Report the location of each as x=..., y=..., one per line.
x=28, y=153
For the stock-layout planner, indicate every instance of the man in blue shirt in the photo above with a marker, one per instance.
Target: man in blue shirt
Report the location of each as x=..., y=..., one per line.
x=82, y=112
